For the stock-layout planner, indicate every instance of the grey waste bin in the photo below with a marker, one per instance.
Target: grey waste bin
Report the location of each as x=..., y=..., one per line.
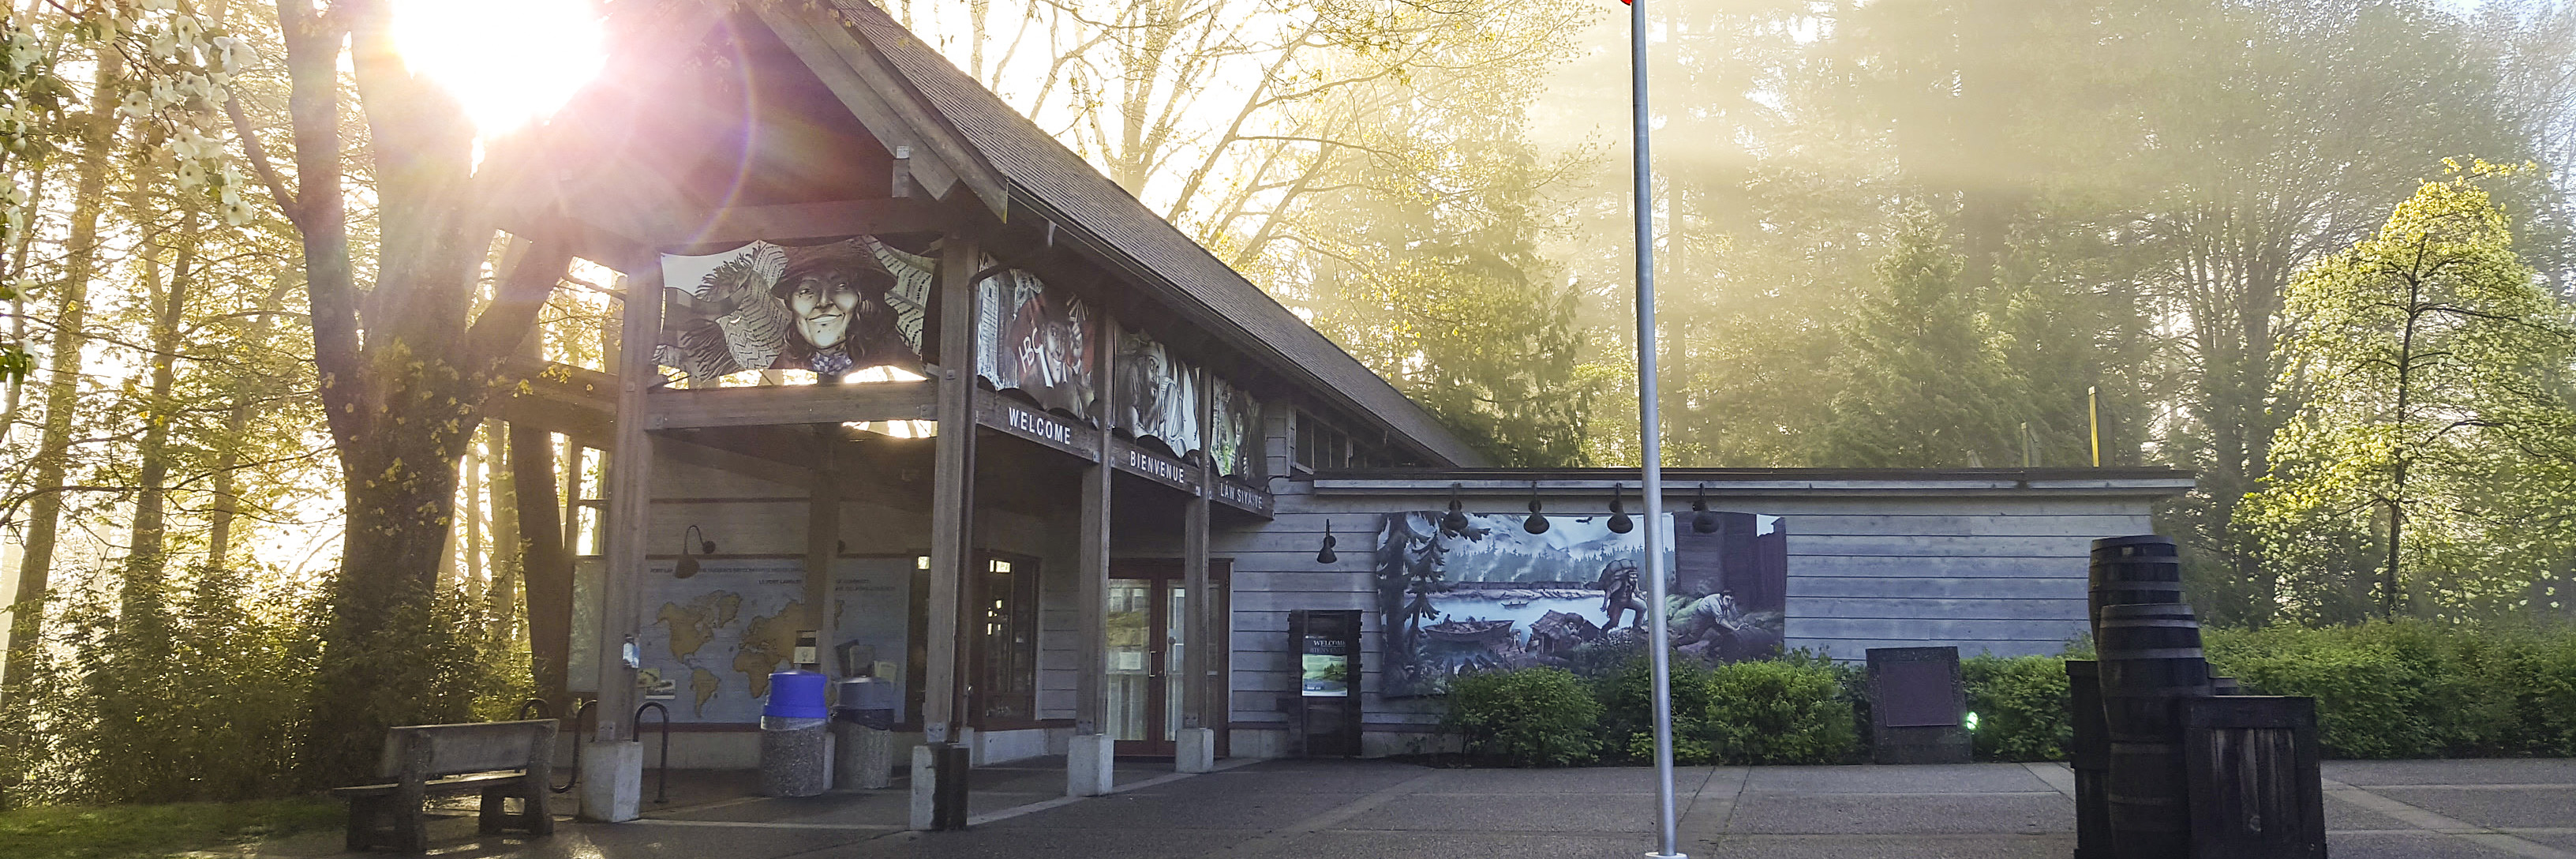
x=861, y=719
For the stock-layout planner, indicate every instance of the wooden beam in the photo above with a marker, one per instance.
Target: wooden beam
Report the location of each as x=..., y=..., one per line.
x=792, y=404
x=863, y=83
x=763, y=458
x=1029, y=422
x=805, y=221
x=561, y=398
x=1091, y=594
x=1194, y=630
x=952, y=497
x=630, y=482
x=822, y=547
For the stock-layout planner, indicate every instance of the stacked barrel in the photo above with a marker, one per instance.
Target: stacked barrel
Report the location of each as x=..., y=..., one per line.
x=2147, y=645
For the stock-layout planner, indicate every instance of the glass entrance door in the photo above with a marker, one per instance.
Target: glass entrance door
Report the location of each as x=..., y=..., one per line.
x=1147, y=606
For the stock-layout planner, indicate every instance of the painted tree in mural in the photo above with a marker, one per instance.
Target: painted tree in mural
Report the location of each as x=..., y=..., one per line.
x=2434, y=370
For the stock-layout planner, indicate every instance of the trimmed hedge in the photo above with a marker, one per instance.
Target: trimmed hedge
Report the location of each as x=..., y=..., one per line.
x=2383, y=690
x=1787, y=711
x=1530, y=717
x=2020, y=704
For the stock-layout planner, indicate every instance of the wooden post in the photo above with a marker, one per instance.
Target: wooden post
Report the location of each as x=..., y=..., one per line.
x=822, y=546
x=1197, y=661
x=952, y=495
x=1091, y=596
x=630, y=483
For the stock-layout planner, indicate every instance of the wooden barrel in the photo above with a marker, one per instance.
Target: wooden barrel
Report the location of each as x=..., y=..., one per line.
x=2150, y=658
x=2140, y=546
x=2089, y=755
x=2145, y=569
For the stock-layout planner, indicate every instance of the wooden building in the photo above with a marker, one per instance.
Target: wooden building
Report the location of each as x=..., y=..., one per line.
x=898, y=372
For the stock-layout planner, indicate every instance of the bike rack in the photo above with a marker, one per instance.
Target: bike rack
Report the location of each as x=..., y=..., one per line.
x=588, y=708
x=542, y=709
x=662, y=770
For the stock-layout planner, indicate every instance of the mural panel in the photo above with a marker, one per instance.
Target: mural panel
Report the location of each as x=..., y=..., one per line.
x=709, y=642
x=1036, y=340
x=828, y=308
x=1158, y=396
x=1238, y=421
x=1495, y=596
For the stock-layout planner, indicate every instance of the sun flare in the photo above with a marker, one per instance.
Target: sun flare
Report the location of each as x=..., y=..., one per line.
x=511, y=62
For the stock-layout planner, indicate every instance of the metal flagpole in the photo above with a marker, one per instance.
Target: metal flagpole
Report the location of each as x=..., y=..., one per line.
x=1650, y=433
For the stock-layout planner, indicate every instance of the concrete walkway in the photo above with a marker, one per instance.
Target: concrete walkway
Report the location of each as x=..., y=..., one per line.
x=1365, y=809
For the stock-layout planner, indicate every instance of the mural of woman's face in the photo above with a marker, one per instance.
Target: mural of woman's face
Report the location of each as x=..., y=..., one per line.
x=823, y=303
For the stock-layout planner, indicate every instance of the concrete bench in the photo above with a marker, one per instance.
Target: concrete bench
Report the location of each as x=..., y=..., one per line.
x=498, y=760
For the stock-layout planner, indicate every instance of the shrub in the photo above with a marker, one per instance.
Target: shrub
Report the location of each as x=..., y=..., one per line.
x=1628, y=714
x=2021, y=705
x=1777, y=712
x=1527, y=717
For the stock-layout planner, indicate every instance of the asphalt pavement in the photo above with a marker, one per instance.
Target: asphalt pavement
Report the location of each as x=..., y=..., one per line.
x=2440, y=809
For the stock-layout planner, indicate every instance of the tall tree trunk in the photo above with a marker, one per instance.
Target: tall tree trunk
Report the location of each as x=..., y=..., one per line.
x=143, y=591
x=62, y=372
x=546, y=562
x=472, y=575
x=501, y=597
x=246, y=385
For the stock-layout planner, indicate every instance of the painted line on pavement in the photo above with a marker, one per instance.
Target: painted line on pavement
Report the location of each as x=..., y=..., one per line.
x=2536, y=786
x=1062, y=801
x=2418, y=816
x=750, y=824
x=1707, y=804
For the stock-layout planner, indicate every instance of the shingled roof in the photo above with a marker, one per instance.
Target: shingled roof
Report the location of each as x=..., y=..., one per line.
x=1043, y=175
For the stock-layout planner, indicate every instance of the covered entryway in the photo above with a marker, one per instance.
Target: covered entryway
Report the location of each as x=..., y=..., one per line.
x=1148, y=607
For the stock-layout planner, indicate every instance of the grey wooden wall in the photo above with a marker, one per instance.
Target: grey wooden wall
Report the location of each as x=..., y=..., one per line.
x=1988, y=567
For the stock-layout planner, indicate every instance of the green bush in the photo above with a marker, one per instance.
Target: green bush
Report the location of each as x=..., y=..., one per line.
x=1788, y=710
x=2416, y=688
x=1778, y=712
x=1527, y=717
x=2021, y=706
x=1628, y=714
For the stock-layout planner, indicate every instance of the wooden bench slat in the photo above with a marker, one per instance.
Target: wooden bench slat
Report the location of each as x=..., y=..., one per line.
x=459, y=784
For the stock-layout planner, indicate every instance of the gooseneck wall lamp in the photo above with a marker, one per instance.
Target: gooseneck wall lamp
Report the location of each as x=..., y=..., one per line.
x=1619, y=521
x=688, y=566
x=1535, y=524
x=1702, y=521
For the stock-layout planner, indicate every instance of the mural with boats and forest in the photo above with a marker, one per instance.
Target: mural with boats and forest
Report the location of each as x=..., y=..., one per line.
x=1463, y=592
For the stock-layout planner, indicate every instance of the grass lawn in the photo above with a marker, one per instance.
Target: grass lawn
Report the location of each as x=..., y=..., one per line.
x=130, y=831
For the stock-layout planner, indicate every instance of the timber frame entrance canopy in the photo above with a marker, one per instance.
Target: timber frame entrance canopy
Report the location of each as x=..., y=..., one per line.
x=846, y=269
x=824, y=127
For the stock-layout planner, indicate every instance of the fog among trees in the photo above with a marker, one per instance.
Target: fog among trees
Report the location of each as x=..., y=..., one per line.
x=2318, y=252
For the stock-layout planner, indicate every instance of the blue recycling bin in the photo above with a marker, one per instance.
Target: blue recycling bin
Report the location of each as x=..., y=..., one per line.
x=795, y=745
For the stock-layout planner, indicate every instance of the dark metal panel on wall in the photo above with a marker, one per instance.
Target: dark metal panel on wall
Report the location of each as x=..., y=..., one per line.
x=1324, y=711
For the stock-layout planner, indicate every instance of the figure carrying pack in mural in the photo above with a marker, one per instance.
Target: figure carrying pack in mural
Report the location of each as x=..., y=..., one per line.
x=1620, y=592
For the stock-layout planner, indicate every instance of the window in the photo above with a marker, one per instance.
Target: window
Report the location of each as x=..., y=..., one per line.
x=1006, y=640
x=1320, y=447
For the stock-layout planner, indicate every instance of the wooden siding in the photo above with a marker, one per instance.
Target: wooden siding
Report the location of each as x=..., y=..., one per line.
x=2001, y=574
